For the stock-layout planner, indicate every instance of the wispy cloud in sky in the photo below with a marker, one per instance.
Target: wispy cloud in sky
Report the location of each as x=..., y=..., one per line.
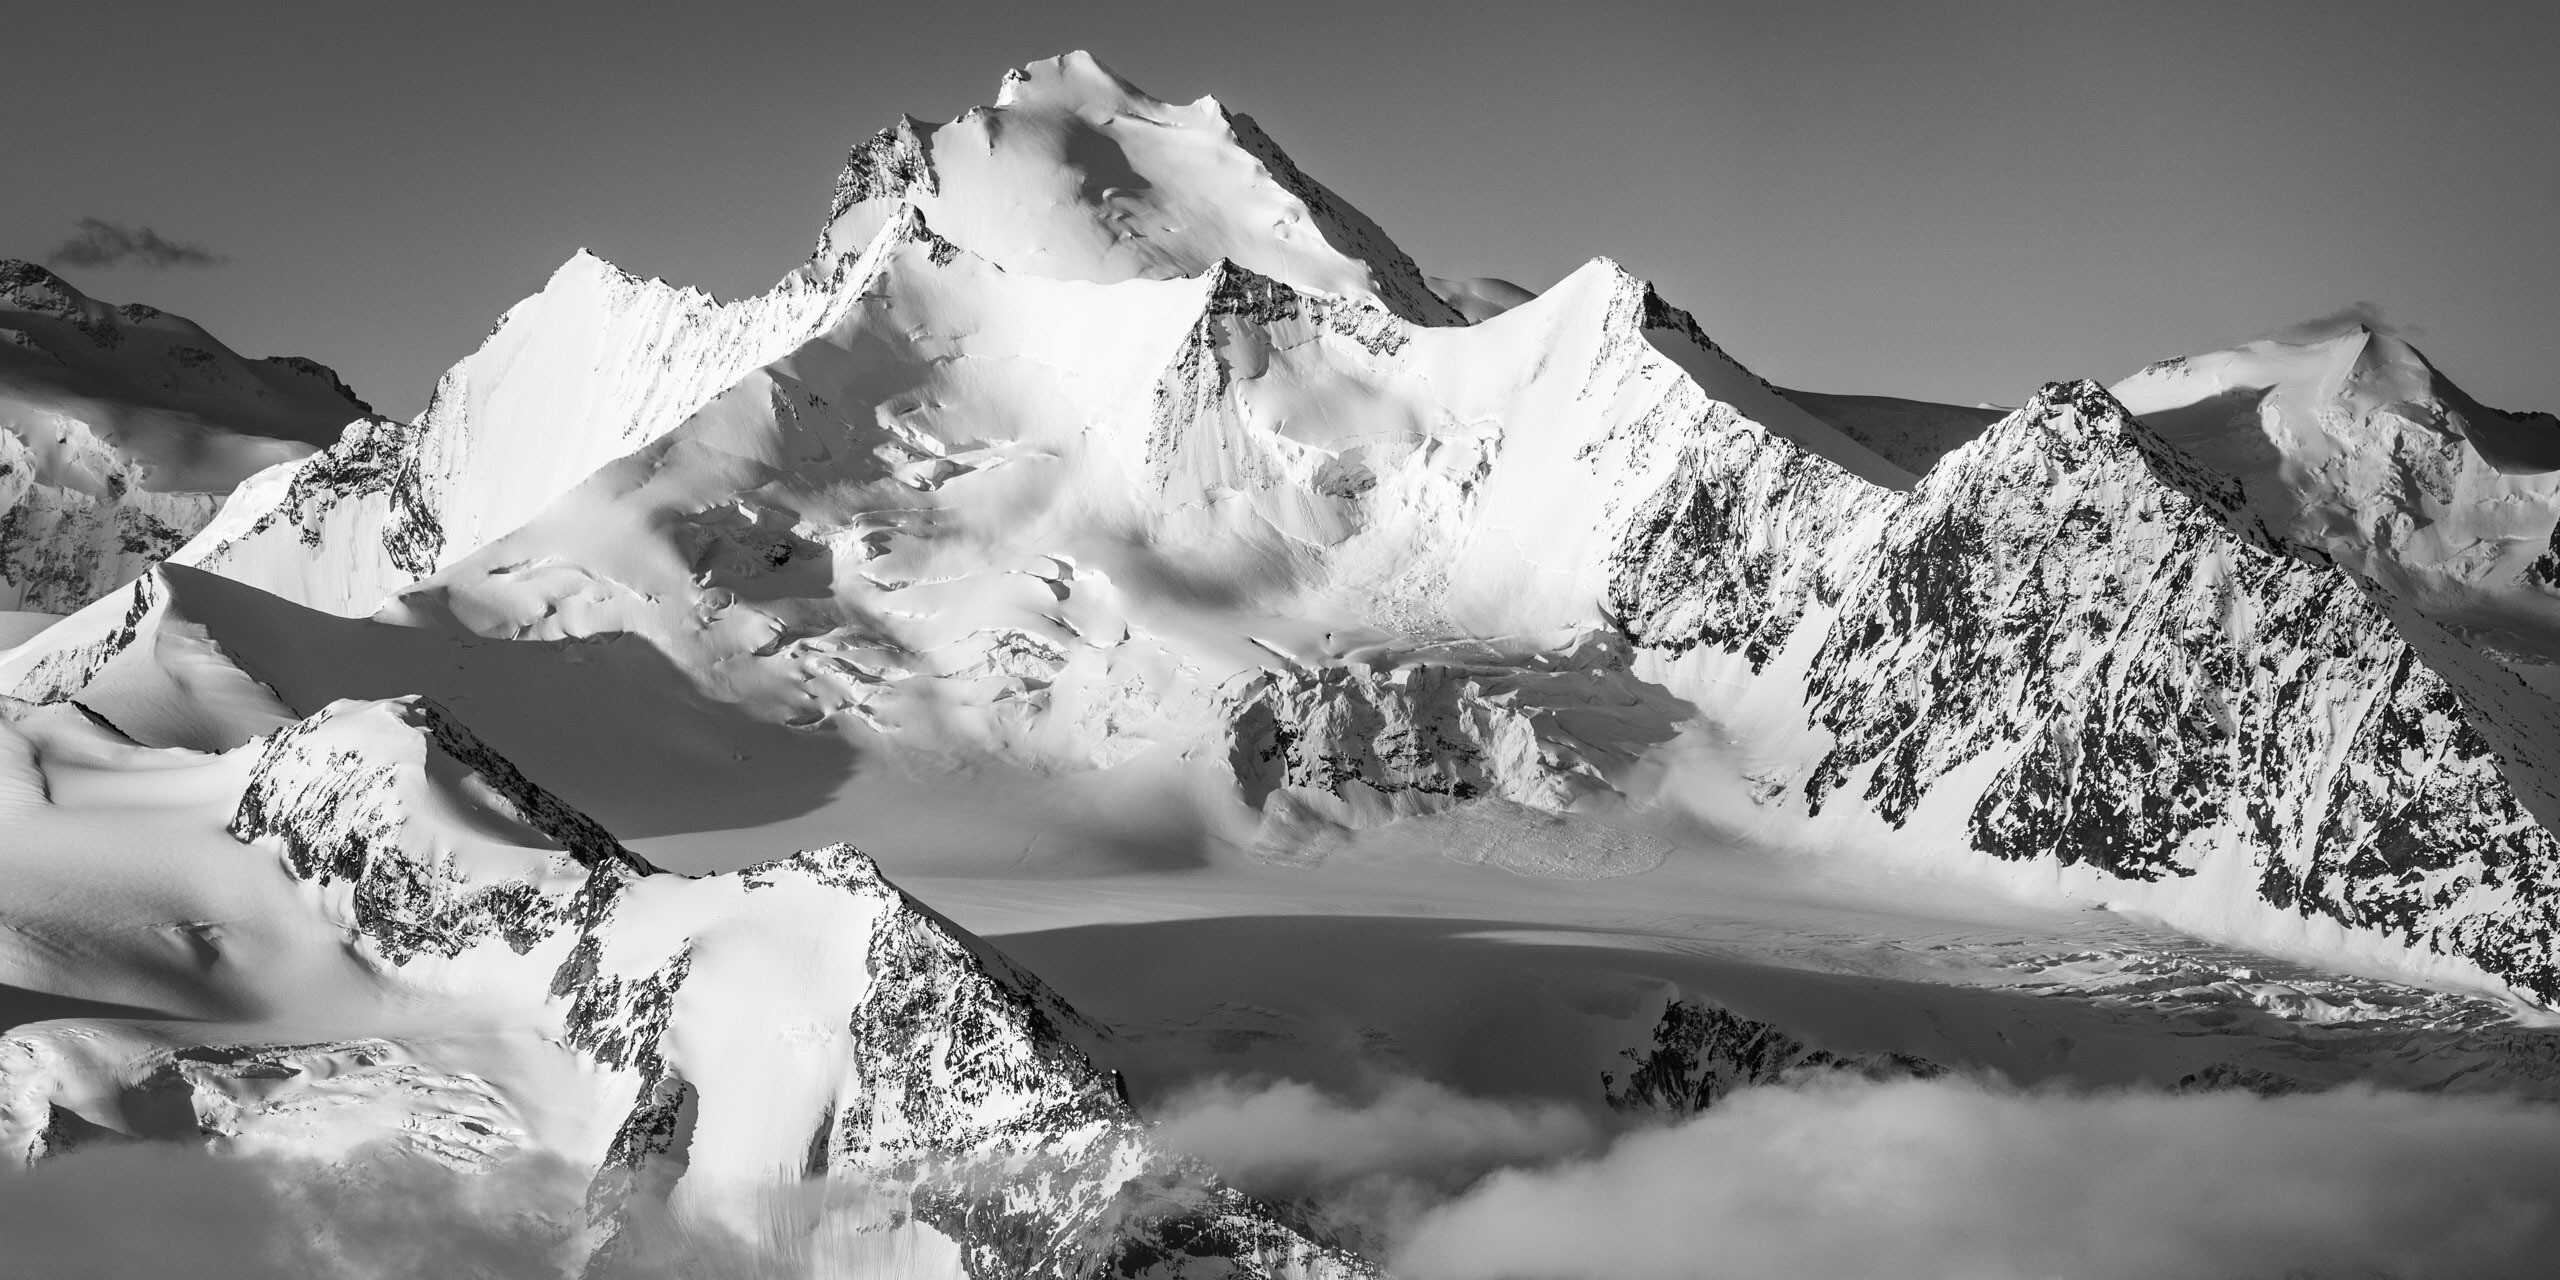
x=2333, y=323
x=100, y=243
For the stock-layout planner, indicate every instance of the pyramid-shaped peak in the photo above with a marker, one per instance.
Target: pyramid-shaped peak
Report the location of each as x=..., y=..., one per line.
x=1075, y=173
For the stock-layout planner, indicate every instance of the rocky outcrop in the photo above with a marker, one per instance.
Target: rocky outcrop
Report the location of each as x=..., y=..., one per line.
x=2091, y=634
x=63, y=545
x=354, y=796
x=1372, y=740
x=1732, y=548
x=1702, y=1052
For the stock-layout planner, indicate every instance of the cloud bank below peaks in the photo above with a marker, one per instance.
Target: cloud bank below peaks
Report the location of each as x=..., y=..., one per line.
x=1948, y=1179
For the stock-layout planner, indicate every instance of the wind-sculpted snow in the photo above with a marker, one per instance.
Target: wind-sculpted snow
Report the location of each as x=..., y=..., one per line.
x=121, y=431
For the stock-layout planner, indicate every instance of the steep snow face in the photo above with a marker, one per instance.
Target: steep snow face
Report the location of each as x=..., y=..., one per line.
x=631, y=1020
x=1076, y=174
x=905, y=1059
x=1069, y=523
x=121, y=428
x=596, y=364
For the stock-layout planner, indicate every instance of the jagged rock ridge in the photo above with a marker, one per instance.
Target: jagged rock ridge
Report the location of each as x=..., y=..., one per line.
x=1702, y=1052
x=2062, y=631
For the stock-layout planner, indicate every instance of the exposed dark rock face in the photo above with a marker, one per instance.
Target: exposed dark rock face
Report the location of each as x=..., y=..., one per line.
x=338, y=806
x=888, y=165
x=1726, y=552
x=376, y=459
x=1426, y=734
x=2069, y=617
x=61, y=547
x=1701, y=1053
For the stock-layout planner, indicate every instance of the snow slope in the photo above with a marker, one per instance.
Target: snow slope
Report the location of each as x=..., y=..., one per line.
x=122, y=428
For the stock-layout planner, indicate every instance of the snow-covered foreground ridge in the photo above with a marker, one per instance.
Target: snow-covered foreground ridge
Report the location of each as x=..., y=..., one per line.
x=121, y=428
x=938, y=1088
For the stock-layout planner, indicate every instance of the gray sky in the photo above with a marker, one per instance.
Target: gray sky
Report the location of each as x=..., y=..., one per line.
x=1951, y=201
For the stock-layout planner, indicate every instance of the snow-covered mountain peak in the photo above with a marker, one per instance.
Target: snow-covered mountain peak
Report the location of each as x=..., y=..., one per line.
x=2350, y=444
x=80, y=347
x=1077, y=174
x=1075, y=81
x=1635, y=310
x=121, y=428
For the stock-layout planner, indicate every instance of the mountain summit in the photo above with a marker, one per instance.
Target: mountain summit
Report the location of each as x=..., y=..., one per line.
x=1076, y=174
